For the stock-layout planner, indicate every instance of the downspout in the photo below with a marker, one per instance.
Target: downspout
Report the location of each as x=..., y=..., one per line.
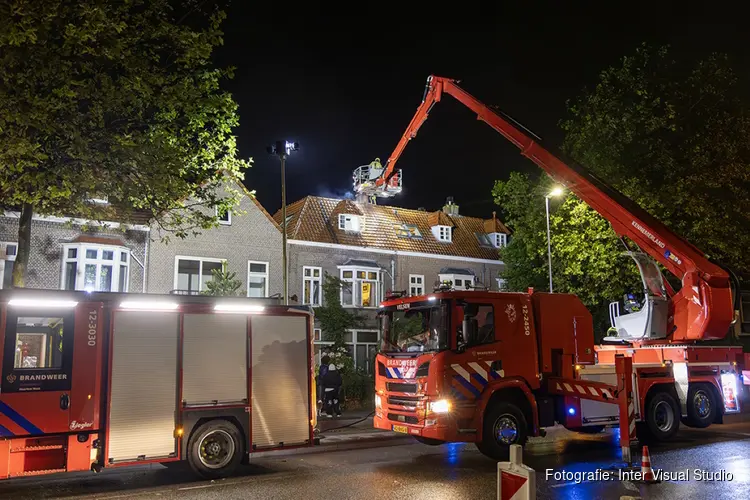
x=143, y=264
x=393, y=275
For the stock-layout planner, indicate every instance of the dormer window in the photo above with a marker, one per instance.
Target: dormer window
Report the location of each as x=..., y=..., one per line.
x=349, y=222
x=442, y=233
x=498, y=240
x=408, y=231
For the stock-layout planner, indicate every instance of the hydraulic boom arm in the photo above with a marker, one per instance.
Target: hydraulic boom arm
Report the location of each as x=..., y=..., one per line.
x=701, y=310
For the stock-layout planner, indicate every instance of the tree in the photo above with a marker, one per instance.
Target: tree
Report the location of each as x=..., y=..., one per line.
x=223, y=283
x=674, y=136
x=335, y=321
x=115, y=99
x=587, y=256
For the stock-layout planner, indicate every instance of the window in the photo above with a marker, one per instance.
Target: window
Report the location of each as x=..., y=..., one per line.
x=485, y=324
x=311, y=285
x=416, y=284
x=443, y=233
x=192, y=273
x=97, y=268
x=349, y=222
x=499, y=240
x=362, y=287
x=501, y=284
x=224, y=218
x=7, y=259
x=362, y=346
x=460, y=281
x=257, y=279
x=39, y=343
x=37, y=351
x=100, y=200
x=484, y=240
x=408, y=231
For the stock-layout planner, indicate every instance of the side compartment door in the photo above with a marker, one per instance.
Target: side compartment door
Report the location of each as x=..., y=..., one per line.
x=37, y=371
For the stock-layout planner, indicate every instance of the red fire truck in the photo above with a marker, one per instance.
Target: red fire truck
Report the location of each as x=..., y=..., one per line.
x=494, y=368
x=94, y=380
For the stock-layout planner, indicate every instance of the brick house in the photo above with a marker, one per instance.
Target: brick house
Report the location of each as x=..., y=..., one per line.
x=248, y=239
x=374, y=248
x=74, y=254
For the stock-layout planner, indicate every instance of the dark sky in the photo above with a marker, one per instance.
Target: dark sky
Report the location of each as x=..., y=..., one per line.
x=346, y=83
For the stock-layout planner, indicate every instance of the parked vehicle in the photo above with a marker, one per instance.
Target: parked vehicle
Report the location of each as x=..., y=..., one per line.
x=94, y=380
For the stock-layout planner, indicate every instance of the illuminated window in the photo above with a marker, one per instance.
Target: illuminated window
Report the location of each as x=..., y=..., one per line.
x=408, y=231
x=312, y=285
x=348, y=222
x=361, y=287
x=39, y=343
x=96, y=268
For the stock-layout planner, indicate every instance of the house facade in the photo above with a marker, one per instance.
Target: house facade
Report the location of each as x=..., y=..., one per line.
x=376, y=248
x=74, y=254
x=247, y=239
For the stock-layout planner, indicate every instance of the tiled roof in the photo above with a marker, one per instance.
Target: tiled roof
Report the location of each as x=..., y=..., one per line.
x=312, y=219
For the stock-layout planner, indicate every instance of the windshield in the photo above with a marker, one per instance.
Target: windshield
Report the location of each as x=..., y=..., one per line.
x=422, y=327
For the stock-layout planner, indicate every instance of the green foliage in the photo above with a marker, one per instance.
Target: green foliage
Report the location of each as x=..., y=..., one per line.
x=334, y=319
x=223, y=283
x=116, y=99
x=586, y=254
x=674, y=136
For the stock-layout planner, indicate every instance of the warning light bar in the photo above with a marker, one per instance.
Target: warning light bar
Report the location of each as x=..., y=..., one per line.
x=42, y=303
x=149, y=306
x=239, y=308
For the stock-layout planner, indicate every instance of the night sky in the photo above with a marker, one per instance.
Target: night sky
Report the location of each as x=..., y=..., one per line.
x=346, y=83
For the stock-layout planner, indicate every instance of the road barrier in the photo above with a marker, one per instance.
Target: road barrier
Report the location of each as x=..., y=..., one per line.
x=515, y=481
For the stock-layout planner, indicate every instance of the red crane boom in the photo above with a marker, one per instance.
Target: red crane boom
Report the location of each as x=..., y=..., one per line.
x=701, y=310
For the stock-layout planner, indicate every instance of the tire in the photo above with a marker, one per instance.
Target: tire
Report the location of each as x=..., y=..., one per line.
x=429, y=441
x=589, y=429
x=215, y=449
x=498, y=418
x=662, y=416
x=701, y=406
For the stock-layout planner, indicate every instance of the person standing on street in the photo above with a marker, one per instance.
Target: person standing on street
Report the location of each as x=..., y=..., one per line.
x=332, y=383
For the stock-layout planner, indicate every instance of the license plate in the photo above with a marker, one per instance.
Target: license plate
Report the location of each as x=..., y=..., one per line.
x=400, y=428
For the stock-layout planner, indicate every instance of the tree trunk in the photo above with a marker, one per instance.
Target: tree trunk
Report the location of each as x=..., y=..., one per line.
x=20, y=267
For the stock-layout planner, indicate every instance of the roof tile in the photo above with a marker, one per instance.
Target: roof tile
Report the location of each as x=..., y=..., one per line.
x=310, y=220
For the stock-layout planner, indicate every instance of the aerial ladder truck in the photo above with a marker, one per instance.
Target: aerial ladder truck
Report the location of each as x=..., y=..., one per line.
x=495, y=368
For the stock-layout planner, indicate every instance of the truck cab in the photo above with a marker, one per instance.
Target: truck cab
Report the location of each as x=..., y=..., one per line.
x=446, y=356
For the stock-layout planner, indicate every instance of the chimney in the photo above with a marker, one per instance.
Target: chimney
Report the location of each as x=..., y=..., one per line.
x=450, y=208
x=422, y=209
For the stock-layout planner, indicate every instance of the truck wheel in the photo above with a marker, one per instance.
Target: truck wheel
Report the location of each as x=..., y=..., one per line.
x=215, y=449
x=504, y=425
x=662, y=416
x=429, y=441
x=701, y=407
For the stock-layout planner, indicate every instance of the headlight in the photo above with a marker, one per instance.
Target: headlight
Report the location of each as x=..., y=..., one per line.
x=442, y=406
x=378, y=401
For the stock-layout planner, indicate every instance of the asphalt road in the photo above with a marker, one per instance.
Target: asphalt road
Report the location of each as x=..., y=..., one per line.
x=410, y=470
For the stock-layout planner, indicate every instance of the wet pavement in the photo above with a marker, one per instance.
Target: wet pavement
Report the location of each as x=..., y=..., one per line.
x=403, y=468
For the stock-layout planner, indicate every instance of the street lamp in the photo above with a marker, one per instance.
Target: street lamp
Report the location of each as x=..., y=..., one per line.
x=556, y=191
x=282, y=149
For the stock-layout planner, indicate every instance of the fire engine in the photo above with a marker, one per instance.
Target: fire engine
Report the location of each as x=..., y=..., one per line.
x=495, y=368
x=94, y=380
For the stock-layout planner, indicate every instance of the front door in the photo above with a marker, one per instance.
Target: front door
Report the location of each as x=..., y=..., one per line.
x=36, y=370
